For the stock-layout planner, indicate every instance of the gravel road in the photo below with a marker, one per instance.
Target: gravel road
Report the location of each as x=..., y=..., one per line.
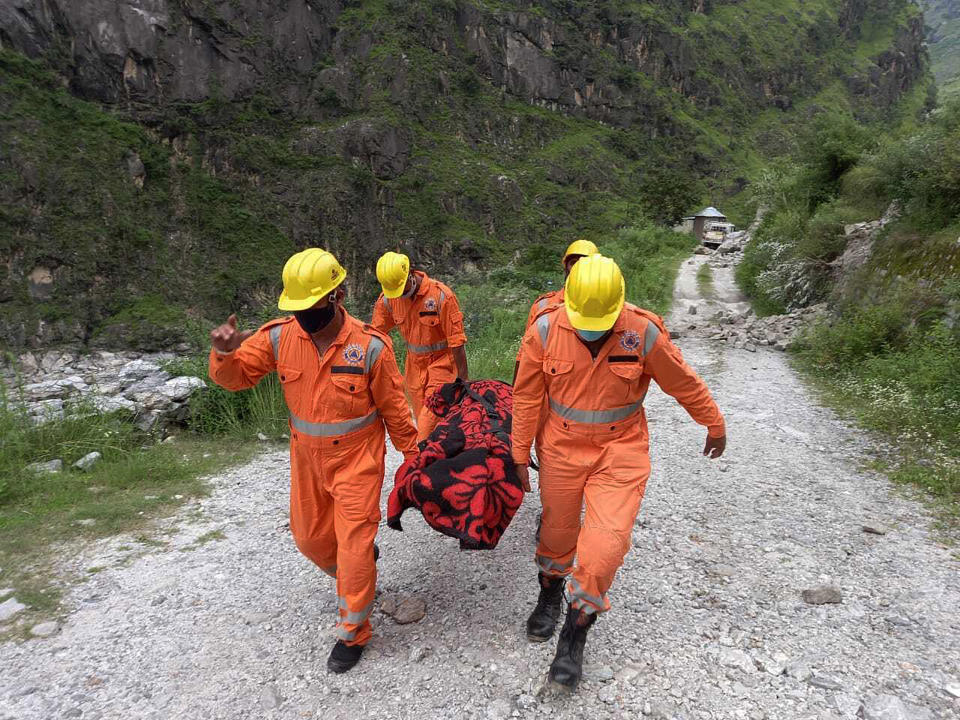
x=708, y=617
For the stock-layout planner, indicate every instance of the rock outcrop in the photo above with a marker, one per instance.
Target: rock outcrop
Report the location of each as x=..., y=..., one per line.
x=55, y=383
x=238, y=131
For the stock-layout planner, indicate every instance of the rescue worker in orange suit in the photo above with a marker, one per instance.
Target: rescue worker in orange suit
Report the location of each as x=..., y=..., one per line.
x=591, y=361
x=575, y=250
x=428, y=315
x=341, y=385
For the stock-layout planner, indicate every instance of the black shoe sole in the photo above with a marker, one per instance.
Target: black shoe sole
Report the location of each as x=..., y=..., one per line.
x=539, y=638
x=340, y=668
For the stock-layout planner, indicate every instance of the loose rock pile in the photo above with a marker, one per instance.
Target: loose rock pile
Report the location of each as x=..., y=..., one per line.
x=746, y=331
x=742, y=328
x=54, y=383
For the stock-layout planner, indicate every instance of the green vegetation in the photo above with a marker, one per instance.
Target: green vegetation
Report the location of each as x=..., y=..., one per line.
x=434, y=157
x=891, y=355
x=218, y=412
x=134, y=482
x=496, y=305
x=705, y=281
x=943, y=38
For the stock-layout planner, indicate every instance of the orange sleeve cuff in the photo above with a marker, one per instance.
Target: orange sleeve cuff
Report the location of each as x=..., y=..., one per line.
x=521, y=458
x=717, y=431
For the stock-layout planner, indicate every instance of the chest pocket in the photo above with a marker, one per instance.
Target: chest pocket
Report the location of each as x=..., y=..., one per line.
x=558, y=372
x=430, y=318
x=628, y=368
x=291, y=381
x=351, y=391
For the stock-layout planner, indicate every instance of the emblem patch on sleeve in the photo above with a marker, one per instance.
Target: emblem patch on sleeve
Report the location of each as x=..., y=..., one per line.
x=353, y=354
x=630, y=340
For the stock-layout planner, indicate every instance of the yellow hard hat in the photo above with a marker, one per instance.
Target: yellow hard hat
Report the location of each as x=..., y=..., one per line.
x=580, y=247
x=307, y=277
x=392, y=271
x=594, y=293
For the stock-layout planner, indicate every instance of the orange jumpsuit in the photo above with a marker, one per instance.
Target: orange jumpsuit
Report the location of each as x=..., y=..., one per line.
x=338, y=404
x=542, y=303
x=593, y=443
x=432, y=325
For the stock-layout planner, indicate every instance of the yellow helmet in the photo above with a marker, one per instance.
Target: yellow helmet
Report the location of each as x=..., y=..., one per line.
x=307, y=277
x=594, y=293
x=392, y=271
x=580, y=247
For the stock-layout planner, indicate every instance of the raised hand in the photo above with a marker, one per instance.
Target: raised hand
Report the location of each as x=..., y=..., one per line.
x=226, y=338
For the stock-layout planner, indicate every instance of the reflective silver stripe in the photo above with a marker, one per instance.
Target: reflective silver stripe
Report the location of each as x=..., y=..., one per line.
x=576, y=592
x=356, y=618
x=421, y=349
x=386, y=303
x=275, y=340
x=548, y=565
x=330, y=429
x=542, y=304
x=650, y=337
x=543, y=327
x=595, y=417
x=443, y=297
x=373, y=352
x=346, y=635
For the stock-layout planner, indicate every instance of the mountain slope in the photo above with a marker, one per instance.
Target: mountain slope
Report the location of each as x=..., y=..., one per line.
x=199, y=143
x=942, y=18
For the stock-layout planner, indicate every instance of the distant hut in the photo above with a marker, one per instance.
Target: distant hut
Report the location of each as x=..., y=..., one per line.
x=703, y=218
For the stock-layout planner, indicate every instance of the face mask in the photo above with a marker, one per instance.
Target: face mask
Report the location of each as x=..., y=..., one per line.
x=591, y=335
x=316, y=319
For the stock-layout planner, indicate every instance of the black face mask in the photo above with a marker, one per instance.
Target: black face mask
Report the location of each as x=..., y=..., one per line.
x=316, y=319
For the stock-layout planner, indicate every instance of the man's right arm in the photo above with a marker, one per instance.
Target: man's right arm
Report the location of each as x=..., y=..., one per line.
x=382, y=320
x=244, y=366
x=528, y=393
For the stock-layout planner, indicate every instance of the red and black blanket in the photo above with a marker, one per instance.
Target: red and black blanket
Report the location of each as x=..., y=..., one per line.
x=464, y=481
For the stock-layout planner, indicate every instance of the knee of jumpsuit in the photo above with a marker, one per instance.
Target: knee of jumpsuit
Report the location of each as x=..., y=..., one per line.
x=426, y=423
x=321, y=551
x=353, y=476
x=356, y=579
x=559, y=530
x=412, y=379
x=565, y=464
x=612, y=503
x=311, y=508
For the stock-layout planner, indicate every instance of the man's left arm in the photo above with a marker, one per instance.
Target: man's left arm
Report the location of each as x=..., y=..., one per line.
x=665, y=364
x=386, y=386
x=451, y=318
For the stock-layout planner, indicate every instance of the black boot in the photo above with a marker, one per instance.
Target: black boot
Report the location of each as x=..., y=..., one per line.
x=343, y=657
x=376, y=552
x=543, y=620
x=567, y=667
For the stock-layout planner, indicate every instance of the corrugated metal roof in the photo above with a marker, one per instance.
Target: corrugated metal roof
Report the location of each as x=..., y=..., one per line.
x=710, y=212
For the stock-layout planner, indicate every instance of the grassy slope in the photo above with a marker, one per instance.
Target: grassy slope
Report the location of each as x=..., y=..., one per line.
x=891, y=355
x=491, y=178
x=134, y=482
x=942, y=18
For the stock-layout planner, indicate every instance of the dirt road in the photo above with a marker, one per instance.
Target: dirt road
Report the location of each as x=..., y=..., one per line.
x=227, y=620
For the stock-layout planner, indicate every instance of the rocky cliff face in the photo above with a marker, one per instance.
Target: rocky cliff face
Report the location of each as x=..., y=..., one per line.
x=942, y=19
x=229, y=133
